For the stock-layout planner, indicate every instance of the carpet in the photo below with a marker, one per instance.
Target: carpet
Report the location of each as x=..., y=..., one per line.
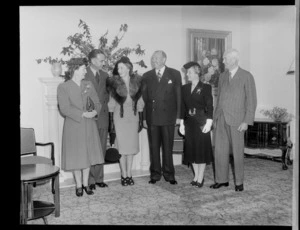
x=266, y=200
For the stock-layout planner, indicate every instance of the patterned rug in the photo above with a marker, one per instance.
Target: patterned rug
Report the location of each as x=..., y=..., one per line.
x=266, y=200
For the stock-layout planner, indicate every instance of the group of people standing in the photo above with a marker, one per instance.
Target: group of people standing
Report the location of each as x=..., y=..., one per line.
x=126, y=103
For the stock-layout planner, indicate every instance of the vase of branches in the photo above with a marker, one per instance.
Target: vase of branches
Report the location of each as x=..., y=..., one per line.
x=80, y=45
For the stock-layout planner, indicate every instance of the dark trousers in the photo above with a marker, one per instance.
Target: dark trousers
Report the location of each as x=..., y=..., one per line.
x=161, y=136
x=97, y=171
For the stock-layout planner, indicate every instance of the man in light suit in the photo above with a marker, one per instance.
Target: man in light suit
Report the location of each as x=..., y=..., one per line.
x=97, y=76
x=162, y=97
x=235, y=110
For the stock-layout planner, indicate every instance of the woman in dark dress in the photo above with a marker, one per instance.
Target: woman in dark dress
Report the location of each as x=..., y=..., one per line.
x=196, y=122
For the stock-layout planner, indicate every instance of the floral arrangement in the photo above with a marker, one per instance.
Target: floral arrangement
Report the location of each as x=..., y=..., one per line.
x=277, y=114
x=80, y=45
x=198, y=91
x=212, y=67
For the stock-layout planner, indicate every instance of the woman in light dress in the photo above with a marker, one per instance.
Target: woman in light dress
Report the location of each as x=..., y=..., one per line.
x=125, y=111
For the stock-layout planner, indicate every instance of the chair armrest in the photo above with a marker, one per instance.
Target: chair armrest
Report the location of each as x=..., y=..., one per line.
x=52, y=149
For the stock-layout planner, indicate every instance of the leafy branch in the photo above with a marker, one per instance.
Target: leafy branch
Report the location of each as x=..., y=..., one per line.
x=80, y=45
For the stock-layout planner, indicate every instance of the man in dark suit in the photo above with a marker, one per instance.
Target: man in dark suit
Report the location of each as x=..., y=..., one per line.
x=97, y=76
x=162, y=97
x=235, y=110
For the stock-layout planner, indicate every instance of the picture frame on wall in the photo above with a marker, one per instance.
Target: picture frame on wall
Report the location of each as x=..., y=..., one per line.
x=207, y=48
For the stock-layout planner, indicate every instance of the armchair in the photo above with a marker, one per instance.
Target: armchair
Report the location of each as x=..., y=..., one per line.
x=29, y=178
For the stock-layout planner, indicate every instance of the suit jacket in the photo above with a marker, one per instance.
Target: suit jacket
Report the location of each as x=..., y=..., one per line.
x=103, y=96
x=162, y=99
x=236, y=98
x=200, y=99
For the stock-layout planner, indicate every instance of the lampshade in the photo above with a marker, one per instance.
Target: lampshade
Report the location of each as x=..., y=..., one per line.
x=291, y=69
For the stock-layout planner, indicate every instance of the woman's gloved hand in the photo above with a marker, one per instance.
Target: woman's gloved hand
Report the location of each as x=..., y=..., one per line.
x=182, y=127
x=111, y=125
x=140, y=122
x=91, y=114
x=207, y=126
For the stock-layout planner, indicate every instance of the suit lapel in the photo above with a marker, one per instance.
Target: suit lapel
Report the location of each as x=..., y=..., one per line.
x=198, y=88
x=235, y=76
x=91, y=77
x=102, y=79
x=154, y=84
x=164, y=80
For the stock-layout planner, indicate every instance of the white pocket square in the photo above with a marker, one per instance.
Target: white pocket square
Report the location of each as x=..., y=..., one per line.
x=169, y=82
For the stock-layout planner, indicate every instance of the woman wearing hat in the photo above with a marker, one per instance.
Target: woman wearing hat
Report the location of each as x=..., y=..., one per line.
x=80, y=140
x=125, y=108
x=196, y=122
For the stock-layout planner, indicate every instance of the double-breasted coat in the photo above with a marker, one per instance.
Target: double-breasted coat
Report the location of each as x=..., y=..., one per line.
x=162, y=99
x=80, y=140
x=162, y=108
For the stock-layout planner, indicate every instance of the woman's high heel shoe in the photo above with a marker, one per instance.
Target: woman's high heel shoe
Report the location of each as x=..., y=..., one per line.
x=194, y=183
x=124, y=181
x=199, y=185
x=79, y=192
x=130, y=180
x=87, y=190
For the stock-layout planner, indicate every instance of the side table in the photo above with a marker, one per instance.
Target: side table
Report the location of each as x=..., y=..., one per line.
x=268, y=138
x=30, y=174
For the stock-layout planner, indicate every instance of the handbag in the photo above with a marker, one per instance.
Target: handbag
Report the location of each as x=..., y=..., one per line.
x=90, y=106
x=112, y=154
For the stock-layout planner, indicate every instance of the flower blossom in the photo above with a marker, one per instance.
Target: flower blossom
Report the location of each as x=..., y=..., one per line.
x=215, y=62
x=206, y=61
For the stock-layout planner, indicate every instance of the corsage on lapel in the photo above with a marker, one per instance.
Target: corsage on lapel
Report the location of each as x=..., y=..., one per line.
x=86, y=87
x=198, y=90
x=170, y=82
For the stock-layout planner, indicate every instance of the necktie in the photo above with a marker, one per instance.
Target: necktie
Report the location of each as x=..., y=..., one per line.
x=230, y=77
x=97, y=77
x=159, y=75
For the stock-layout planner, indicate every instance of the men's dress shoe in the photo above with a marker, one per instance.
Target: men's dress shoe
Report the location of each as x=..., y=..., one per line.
x=219, y=185
x=173, y=182
x=92, y=187
x=152, y=181
x=102, y=184
x=239, y=188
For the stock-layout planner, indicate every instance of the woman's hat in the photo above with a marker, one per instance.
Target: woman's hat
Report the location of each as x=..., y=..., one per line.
x=190, y=64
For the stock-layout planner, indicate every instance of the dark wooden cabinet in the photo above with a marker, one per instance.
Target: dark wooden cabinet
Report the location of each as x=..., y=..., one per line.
x=268, y=135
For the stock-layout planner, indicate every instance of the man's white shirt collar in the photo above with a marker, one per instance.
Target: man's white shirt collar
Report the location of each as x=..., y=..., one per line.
x=233, y=71
x=162, y=70
x=94, y=71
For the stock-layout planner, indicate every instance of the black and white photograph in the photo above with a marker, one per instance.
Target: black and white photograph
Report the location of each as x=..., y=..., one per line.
x=150, y=115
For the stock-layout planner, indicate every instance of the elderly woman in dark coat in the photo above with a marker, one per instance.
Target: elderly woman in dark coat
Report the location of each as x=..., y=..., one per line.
x=80, y=140
x=197, y=112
